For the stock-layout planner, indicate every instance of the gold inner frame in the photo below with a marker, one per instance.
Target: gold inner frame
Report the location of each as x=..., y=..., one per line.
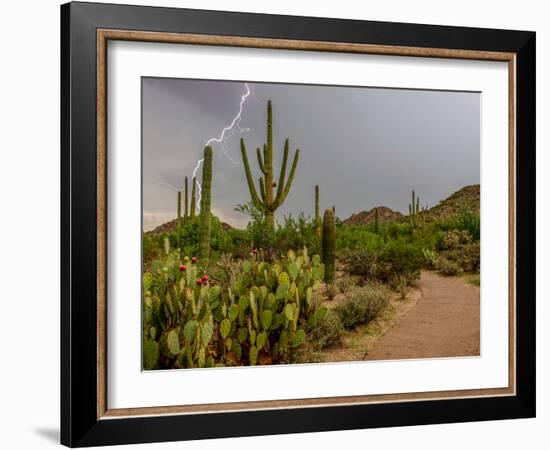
x=104, y=35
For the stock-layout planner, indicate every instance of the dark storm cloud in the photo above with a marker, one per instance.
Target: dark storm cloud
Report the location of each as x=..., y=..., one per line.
x=365, y=147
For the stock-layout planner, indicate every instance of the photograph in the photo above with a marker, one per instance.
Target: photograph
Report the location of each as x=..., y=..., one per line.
x=305, y=223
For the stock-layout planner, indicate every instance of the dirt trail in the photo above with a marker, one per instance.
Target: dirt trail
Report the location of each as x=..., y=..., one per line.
x=444, y=322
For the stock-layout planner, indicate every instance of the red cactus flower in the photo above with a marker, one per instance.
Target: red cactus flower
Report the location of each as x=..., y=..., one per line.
x=199, y=282
x=193, y=260
x=204, y=278
x=183, y=267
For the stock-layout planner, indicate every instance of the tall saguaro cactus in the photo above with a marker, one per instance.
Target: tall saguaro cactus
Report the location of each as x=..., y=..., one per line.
x=193, y=201
x=269, y=202
x=179, y=208
x=417, y=214
x=186, y=210
x=179, y=217
x=376, y=224
x=206, y=201
x=329, y=244
x=317, y=215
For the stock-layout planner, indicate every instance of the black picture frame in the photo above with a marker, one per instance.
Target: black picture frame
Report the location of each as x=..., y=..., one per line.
x=79, y=423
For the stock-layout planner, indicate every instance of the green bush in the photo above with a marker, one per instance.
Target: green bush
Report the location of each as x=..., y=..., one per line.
x=469, y=222
x=364, y=305
x=356, y=236
x=396, y=259
x=399, y=259
x=327, y=333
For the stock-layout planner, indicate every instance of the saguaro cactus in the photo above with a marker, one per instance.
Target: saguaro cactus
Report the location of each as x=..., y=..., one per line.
x=376, y=220
x=329, y=245
x=317, y=215
x=186, y=213
x=179, y=210
x=414, y=211
x=193, y=201
x=206, y=200
x=268, y=203
x=178, y=227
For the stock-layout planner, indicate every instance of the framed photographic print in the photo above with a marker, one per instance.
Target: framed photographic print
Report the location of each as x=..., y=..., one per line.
x=276, y=224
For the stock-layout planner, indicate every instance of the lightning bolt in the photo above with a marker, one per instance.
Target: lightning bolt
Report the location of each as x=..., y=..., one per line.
x=226, y=133
x=229, y=129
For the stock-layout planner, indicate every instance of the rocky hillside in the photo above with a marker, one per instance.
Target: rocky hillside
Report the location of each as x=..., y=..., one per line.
x=171, y=226
x=365, y=217
x=467, y=197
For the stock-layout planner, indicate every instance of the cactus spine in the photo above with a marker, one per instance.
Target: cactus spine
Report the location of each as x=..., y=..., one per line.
x=376, y=220
x=186, y=213
x=193, y=201
x=206, y=200
x=329, y=245
x=268, y=202
x=317, y=215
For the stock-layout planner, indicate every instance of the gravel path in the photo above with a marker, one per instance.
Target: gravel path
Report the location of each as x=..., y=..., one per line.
x=444, y=322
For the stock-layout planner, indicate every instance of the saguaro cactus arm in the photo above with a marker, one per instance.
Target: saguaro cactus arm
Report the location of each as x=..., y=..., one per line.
x=279, y=200
x=251, y=186
x=260, y=160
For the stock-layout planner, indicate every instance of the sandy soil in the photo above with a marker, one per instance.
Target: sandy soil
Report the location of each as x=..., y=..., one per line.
x=444, y=322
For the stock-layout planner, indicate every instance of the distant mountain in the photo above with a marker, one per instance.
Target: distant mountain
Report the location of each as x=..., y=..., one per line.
x=466, y=198
x=385, y=214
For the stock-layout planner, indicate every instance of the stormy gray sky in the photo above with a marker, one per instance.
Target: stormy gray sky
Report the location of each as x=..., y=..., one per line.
x=365, y=147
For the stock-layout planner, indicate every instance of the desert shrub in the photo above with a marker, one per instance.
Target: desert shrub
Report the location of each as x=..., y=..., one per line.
x=399, y=259
x=327, y=332
x=346, y=283
x=360, y=263
x=466, y=257
x=297, y=233
x=395, y=259
x=399, y=283
x=469, y=222
x=356, y=236
x=364, y=305
x=150, y=247
x=472, y=257
x=447, y=267
x=276, y=241
x=453, y=239
x=397, y=230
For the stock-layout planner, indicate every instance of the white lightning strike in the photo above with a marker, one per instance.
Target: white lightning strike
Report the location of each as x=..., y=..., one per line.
x=220, y=140
x=226, y=133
